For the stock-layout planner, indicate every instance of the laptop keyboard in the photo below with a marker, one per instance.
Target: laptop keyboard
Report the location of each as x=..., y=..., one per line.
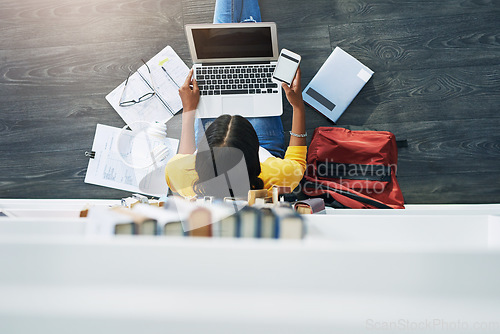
x=236, y=79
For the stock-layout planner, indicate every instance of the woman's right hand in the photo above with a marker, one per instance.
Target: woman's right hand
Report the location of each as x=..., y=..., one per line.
x=294, y=92
x=189, y=96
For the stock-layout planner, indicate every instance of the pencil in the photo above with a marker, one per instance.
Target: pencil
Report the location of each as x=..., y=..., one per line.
x=175, y=83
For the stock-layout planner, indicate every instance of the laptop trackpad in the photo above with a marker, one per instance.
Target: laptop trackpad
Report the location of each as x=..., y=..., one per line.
x=237, y=105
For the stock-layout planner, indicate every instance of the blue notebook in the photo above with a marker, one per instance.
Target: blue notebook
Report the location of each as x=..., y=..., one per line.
x=336, y=84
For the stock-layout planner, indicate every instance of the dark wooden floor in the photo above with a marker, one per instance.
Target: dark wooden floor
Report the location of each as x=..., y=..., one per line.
x=436, y=83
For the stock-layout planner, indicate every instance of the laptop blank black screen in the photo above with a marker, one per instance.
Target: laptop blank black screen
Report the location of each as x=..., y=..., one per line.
x=248, y=42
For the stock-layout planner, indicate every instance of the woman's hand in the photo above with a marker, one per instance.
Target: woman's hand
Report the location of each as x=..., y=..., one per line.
x=294, y=92
x=294, y=96
x=189, y=96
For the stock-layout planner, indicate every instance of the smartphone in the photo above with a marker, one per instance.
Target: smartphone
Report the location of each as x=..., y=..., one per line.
x=288, y=62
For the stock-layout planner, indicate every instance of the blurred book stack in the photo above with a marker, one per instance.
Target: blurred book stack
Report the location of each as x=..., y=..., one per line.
x=216, y=219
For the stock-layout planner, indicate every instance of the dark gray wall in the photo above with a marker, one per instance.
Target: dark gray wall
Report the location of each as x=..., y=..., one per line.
x=436, y=83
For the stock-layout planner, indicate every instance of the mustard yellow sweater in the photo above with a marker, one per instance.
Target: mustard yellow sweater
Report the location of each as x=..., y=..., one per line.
x=181, y=175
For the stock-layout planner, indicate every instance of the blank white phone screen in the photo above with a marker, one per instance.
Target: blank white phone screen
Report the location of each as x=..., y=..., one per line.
x=285, y=70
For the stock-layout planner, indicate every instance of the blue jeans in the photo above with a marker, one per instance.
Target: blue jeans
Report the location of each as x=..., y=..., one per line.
x=269, y=129
x=233, y=11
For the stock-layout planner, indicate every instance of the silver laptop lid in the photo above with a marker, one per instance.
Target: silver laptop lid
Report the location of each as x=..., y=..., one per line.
x=232, y=42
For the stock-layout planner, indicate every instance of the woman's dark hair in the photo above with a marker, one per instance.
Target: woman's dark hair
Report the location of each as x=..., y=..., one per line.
x=226, y=142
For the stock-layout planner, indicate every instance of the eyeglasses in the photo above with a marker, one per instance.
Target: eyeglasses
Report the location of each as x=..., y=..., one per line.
x=143, y=98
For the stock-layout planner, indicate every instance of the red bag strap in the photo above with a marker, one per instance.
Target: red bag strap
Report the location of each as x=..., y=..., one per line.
x=320, y=186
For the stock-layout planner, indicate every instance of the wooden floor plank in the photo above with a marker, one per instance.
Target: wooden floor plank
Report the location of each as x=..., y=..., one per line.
x=436, y=94
x=290, y=13
x=415, y=43
x=446, y=188
x=31, y=24
x=195, y=11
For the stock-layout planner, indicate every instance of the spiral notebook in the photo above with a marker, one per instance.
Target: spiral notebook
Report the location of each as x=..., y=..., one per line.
x=168, y=73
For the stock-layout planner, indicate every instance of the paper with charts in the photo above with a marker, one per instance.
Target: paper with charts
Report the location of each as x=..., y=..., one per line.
x=168, y=73
x=114, y=163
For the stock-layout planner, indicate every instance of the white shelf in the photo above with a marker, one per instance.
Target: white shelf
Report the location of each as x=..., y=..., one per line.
x=190, y=286
x=357, y=270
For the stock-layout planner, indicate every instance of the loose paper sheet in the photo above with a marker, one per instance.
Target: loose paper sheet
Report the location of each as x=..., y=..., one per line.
x=108, y=169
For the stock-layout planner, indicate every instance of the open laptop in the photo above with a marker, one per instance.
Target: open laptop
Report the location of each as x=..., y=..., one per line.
x=233, y=65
